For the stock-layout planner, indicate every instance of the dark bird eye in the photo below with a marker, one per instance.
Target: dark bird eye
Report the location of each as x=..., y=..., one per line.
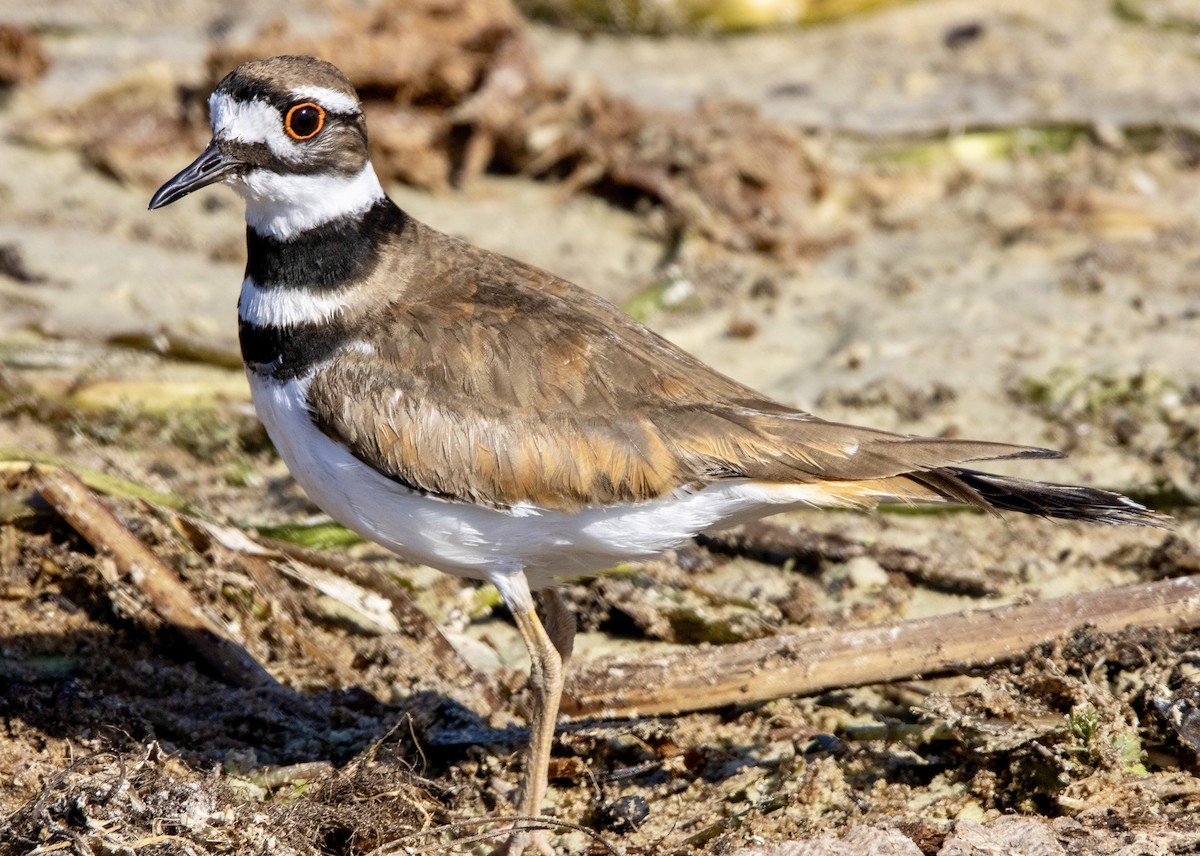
x=304, y=121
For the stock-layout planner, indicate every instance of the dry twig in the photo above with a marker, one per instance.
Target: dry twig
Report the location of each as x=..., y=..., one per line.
x=166, y=594
x=770, y=668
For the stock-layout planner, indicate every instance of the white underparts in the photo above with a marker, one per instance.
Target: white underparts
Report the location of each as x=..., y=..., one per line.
x=286, y=307
x=488, y=543
x=282, y=206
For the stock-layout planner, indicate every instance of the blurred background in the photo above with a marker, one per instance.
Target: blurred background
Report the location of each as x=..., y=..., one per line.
x=972, y=218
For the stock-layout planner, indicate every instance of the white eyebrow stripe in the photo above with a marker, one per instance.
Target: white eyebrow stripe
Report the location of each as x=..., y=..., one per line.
x=330, y=99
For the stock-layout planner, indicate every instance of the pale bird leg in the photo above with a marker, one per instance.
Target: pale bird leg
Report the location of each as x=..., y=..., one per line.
x=546, y=681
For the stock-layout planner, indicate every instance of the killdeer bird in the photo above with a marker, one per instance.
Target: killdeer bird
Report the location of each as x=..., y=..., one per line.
x=484, y=417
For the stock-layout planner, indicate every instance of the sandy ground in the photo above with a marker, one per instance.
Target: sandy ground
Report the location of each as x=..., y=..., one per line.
x=1036, y=286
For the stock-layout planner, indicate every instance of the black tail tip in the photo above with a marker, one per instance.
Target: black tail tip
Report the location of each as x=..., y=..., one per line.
x=1061, y=501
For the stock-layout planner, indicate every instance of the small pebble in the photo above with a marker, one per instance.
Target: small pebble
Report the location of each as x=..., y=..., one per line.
x=865, y=573
x=624, y=813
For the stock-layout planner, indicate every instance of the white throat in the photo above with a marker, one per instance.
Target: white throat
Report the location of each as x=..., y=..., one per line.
x=282, y=206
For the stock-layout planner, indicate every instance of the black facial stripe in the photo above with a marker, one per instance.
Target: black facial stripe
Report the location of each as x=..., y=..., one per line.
x=327, y=257
x=260, y=156
x=248, y=89
x=285, y=353
x=251, y=154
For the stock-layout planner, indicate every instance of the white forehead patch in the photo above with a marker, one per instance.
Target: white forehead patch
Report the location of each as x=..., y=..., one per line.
x=249, y=122
x=330, y=99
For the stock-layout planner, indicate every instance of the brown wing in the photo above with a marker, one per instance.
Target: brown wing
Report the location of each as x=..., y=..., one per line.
x=495, y=382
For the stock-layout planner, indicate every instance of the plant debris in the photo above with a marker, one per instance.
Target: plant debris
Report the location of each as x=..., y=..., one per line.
x=1055, y=263
x=22, y=59
x=374, y=739
x=453, y=89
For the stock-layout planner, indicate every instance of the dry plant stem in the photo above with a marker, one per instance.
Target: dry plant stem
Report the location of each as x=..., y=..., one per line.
x=160, y=586
x=286, y=605
x=410, y=616
x=797, y=664
x=25, y=461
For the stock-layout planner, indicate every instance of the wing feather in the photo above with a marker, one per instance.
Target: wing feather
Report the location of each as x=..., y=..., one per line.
x=519, y=387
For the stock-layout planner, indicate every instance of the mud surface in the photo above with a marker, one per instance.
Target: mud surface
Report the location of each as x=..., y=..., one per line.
x=992, y=234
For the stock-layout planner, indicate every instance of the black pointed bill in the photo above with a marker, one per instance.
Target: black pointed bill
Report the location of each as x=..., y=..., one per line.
x=212, y=166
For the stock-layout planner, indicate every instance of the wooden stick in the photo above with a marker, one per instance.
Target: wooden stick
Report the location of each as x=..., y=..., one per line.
x=167, y=595
x=797, y=664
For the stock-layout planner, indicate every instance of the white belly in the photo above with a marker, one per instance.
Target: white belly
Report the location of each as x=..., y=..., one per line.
x=482, y=543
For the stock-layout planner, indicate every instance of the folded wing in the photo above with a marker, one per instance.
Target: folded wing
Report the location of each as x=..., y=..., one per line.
x=527, y=389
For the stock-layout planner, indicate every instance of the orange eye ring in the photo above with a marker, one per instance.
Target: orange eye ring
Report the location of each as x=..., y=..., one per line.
x=304, y=121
